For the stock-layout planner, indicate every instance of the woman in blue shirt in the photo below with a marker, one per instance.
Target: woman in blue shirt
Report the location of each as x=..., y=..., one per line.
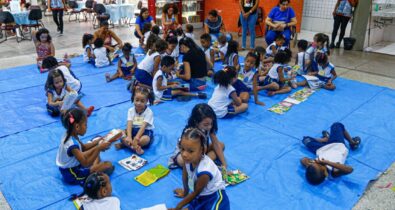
x=144, y=17
x=248, y=18
x=279, y=21
x=214, y=26
x=341, y=15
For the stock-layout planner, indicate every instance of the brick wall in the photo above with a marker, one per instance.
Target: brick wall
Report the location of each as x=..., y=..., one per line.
x=230, y=12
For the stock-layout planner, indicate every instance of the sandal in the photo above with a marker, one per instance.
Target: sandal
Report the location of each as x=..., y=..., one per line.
x=357, y=142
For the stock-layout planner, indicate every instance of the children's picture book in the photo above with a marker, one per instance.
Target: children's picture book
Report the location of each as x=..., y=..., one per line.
x=156, y=207
x=301, y=95
x=69, y=99
x=150, y=176
x=113, y=135
x=132, y=163
x=79, y=201
x=234, y=177
x=184, y=87
x=281, y=107
x=313, y=82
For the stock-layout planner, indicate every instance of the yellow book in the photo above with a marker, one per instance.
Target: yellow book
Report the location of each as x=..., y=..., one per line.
x=150, y=176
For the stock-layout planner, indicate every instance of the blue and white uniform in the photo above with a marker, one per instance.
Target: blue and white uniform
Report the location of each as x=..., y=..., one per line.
x=221, y=100
x=69, y=166
x=71, y=80
x=230, y=60
x=244, y=81
x=213, y=196
x=85, y=55
x=161, y=94
x=127, y=64
x=273, y=76
x=325, y=73
x=145, y=68
x=303, y=58
x=138, y=119
x=269, y=51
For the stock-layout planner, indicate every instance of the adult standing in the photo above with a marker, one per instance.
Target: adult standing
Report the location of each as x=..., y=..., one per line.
x=57, y=7
x=169, y=18
x=248, y=18
x=279, y=20
x=143, y=18
x=341, y=15
x=107, y=36
x=214, y=26
x=195, y=65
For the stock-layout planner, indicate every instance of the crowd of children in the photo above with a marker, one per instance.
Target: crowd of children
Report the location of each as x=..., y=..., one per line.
x=160, y=77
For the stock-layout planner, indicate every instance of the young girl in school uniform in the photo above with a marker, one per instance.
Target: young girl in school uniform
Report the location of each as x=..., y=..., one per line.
x=232, y=55
x=71, y=80
x=202, y=117
x=243, y=84
x=224, y=100
x=274, y=47
x=205, y=41
x=147, y=68
x=140, y=123
x=326, y=72
x=202, y=180
x=56, y=89
x=319, y=45
x=87, y=42
x=126, y=65
x=75, y=159
x=274, y=82
x=98, y=189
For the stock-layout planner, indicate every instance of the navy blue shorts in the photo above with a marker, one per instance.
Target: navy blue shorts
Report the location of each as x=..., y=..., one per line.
x=147, y=132
x=268, y=80
x=126, y=71
x=167, y=96
x=75, y=175
x=143, y=77
x=336, y=136
x=231, y=112
x=240, y=87
x=54, y=111
x=322, y=78
x=218, y=200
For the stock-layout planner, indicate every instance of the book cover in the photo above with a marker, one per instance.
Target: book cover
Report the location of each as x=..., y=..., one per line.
x=69, y=99
x=279, y=108
x=301, y=95
x=132, y=163
x=235, y=177
x=113, y=135
x=79, y=201
x=184, y=87
x=150, y=176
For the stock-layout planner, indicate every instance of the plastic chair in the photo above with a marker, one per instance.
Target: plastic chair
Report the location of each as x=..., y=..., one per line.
x=35, y=16
x=100, y=15
x=8, y=25
x=89, y=8
x=74, y=11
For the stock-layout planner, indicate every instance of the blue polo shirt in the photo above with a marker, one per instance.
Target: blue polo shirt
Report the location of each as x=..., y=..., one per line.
x=281, y=16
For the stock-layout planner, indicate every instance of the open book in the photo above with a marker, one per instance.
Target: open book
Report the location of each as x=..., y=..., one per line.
x=184, y=87
x=132, y=163
x=156, y=207
x=150, y=176
x=69, y=99
x=281, y=107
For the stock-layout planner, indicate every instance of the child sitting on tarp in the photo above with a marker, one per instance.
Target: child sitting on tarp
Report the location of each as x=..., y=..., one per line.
x=140, y=122
x=202, y=117
x=75, y=159
x=164, y=90
x=203, y=186
x=126, y=65
x=326, y=74
x=331, y=154
x=98, y=190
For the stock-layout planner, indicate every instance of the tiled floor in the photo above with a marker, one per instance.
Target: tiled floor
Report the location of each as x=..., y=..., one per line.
x=367, y=67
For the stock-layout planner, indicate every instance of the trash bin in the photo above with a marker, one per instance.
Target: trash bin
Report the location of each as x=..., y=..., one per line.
x=349, y=43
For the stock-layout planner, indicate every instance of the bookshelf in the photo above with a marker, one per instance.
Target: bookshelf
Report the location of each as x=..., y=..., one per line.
x=190, y=11
x=193, y=12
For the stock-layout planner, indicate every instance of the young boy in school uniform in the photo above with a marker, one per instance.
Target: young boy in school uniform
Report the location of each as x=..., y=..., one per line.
x=331, y=154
